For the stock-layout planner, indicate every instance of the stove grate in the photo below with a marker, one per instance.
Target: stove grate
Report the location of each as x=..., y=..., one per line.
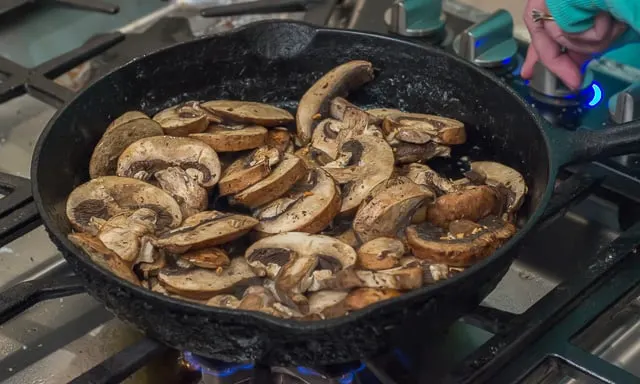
x=12, y=6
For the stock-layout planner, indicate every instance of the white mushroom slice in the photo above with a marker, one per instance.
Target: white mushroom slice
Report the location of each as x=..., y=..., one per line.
x=208, y=258
x=125, y=118
x=107, y=196
x=310, y=206
x=204, y=230
x=122, y=233
x=249, y=112
x=325, y=139
x=191, y=197
x=103, y=256
x=498, y=175
x=183, y=119
x=381, y=253
x=205, y=283
x=280, y=138
x=364, y=162
x=249, y=170
x=420, y=128
x=279, y=181
x=412, y=153
x=145, y=157
x=225, y=138
x=119, y=135
x=424, y=175
x=337, y=82
x=389, y=208
x=224, y=301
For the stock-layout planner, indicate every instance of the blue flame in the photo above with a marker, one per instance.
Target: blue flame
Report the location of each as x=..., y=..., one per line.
x=223, y=372
x=307, y=371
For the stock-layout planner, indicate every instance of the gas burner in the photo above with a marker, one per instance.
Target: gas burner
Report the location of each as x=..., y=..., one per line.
x=548, y=88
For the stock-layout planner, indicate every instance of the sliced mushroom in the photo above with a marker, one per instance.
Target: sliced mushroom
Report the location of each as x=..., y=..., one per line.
x=191, y=197
x=381, y=253
x=436, y=245
x=280, y=138
x=150, y=259
x=126, y=118
x=364, y=162
x=310, y=206
x=208, y=258
x=224, y=301
x=105, y=197
x=328, y=304
x=432, y=273
x=500, y=176
x=337, y=82
x=339, y=107
x=232, y=138
x=400, y=278
x=471, y=203
x=184, y=118
x=363, y=297
x=279, y=181
x=293, y=280
x=119, y=135
x=257, y=298
x=324, y=140
x=249, y=112
x=418, y=128
x=205, y=283
x=310, y=157
x=103, y=256
x=204, y=230
x=122, y=233
x=248, y=170
x=145, y=157
x=412, y=153
x=424, y=175
x=389, y=208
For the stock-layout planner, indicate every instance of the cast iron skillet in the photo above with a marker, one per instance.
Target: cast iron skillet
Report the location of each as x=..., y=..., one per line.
x=275, y=62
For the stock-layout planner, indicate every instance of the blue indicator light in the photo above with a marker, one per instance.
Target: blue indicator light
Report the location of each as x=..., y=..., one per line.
x=597, y=95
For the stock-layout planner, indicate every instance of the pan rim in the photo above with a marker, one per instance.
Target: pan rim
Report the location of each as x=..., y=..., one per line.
x=271, y=321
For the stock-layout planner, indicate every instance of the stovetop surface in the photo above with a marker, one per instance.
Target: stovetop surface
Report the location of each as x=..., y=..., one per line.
x=57, y=340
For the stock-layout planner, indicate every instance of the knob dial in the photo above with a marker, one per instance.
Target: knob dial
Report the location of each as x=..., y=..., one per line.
x=624, y=106
x=489, y=43
x=545, y=83
x=415, y=17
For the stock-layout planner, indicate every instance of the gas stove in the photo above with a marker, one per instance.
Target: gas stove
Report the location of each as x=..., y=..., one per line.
x=567, y=310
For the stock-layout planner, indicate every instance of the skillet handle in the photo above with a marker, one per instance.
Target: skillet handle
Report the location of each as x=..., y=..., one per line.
x=256, y=8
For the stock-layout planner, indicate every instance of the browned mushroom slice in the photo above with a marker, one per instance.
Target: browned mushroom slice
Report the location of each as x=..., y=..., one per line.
x=340, y=106
x=231, y=138
x=279, y=181
x=224, y=301
x=126, y=118
x=381, y=253
x=280, y=138
x=363, y=297
x=435, y=244
x=471, y=203
x=249, y=112
x=389, y=207
x=204, y=230
x=150, y=260
x=292, y=281
x=257, y=298
x=208, y=258
x=328, y=303
x=205, y=283
x=424, y=175
x=325, y=139
x=310, y=206
x=184, y=118
x=249, y=170
x=191, y=197
x=337, y=82
x=145, y=157
x=103, y=256
x=364, y=162
x=116, y=139
x=420, y=128
x=310, y=157
x=412, y=153
x=122, y=233
x=432, y=273
x=502, y=177
x=107, y=196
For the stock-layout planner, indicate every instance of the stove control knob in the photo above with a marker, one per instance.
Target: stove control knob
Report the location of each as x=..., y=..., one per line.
x=415, y=17
x=625, y=105
x=489, y=43
x=545, y=83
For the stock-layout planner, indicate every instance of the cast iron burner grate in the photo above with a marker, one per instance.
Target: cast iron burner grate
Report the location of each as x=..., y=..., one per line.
x=12, y=6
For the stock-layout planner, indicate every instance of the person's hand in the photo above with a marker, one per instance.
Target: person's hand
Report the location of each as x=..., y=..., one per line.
x=564, y=54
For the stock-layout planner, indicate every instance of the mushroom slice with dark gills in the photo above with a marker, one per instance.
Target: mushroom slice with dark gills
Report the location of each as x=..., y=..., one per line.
x=418, y=128
x=104, y=197
x=232, y=138
x=337, y=82
x=293, y=280
x=122, y=132
x=505, y=179
x=257, y=298
x=363, y=163
x=204, y=230
x=381, y=253
x=406, y=153
x=191, y=197
x=279, y=181
x=184, y=118
x=103, y=256
x=145, y=157
x=471, y=203
x=249, y=112
x=324, y=140
x=310, y=206
x=208, y=258
x=423, y=174
x=432, y=243
x=122, y=233
x=248, y=170
x=389, y=208
x=206, y=283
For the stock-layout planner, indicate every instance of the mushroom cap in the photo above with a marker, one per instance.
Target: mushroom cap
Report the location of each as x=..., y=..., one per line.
x=337, y=82
x=389, y=208
x=279, y=181
x=420, y=128
x=436, y=245
x=183, y=119
x=224, y=138
x=471, y=203
x=119, y=135
x=147, y=156
x=249, y=112
x=108, y=196
x=126, y=118
x=204, y=230
x=208, y=258
x=497, y=175
x=313, y=203
x=381, y=253
x=248, y=170
x=191, y=197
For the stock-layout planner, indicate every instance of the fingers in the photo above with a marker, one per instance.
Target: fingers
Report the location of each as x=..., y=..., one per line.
x=551, y=55
x=529, y=62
